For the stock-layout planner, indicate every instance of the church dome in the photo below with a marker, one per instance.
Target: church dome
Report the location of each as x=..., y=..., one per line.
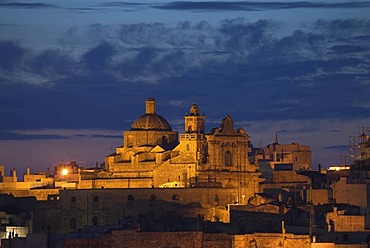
x=151, y=121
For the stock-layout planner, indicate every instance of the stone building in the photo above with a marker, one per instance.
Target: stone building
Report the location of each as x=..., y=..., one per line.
x=292, y=156
x=355, y=191
x=153, y=155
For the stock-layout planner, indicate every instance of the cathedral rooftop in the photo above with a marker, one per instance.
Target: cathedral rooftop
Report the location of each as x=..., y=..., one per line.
x=150, y=120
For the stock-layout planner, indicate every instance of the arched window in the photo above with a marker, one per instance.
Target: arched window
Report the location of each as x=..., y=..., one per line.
x=228, y=161
x=72, y=223
x=188, y=147
x=190, y=129
x=95, y=221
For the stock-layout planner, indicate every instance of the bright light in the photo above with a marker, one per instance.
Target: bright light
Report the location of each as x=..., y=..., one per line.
x=339, y=168
x=64, y=172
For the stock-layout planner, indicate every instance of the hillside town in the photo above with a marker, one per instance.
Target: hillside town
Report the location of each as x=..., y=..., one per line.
x=193, y=188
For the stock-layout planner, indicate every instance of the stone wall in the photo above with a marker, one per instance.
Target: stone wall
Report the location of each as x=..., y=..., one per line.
x=40, y=194
x=134, y=239
x=272, y=240
x=118, y=206
x=343, y=193
x=346, y=223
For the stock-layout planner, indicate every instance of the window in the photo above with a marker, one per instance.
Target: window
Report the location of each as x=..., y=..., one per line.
x=189, y=129
x=228, y=161
x=96, y=199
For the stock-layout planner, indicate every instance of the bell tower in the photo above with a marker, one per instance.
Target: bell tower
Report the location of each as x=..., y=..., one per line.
x=193, y=145
x=194, y=122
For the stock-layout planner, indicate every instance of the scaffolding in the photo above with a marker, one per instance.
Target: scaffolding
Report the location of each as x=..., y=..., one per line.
x=354, y=148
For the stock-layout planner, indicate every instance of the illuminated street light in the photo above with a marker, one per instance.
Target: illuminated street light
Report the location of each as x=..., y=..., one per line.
x=64, y=172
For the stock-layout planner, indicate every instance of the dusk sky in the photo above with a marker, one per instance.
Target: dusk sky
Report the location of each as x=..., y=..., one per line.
x=75, y=74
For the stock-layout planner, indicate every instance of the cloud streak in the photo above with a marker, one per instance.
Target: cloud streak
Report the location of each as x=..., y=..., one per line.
x=9, y=4
x=56, y=134
x=255, y=6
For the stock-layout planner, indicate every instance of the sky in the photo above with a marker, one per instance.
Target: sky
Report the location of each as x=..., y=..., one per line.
x=75, y=74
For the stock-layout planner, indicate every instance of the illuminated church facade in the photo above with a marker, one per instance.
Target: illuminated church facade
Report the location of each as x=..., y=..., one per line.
x=155, y=156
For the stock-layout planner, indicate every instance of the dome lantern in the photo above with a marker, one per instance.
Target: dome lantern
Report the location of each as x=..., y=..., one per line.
x=150, y=106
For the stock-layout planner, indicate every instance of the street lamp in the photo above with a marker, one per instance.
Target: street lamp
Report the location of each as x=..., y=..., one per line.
x=64, y=172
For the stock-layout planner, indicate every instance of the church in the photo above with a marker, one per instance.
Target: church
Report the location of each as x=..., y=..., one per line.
x=155, y=156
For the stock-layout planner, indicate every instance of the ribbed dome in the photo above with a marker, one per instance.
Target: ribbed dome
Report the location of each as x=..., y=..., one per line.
x=151, y=122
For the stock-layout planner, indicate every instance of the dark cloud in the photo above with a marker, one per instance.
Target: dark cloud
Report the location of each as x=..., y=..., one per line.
x=340, y=147
x=237, y=67
x=13, y=53
x=26, y=5
x=51, y=62
x=343, y=27
x=255, y=6
x=121, y=4
x=342, y=49
x=106, y=136
x=4, y=135
x=241, y=36
x=98, y=57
